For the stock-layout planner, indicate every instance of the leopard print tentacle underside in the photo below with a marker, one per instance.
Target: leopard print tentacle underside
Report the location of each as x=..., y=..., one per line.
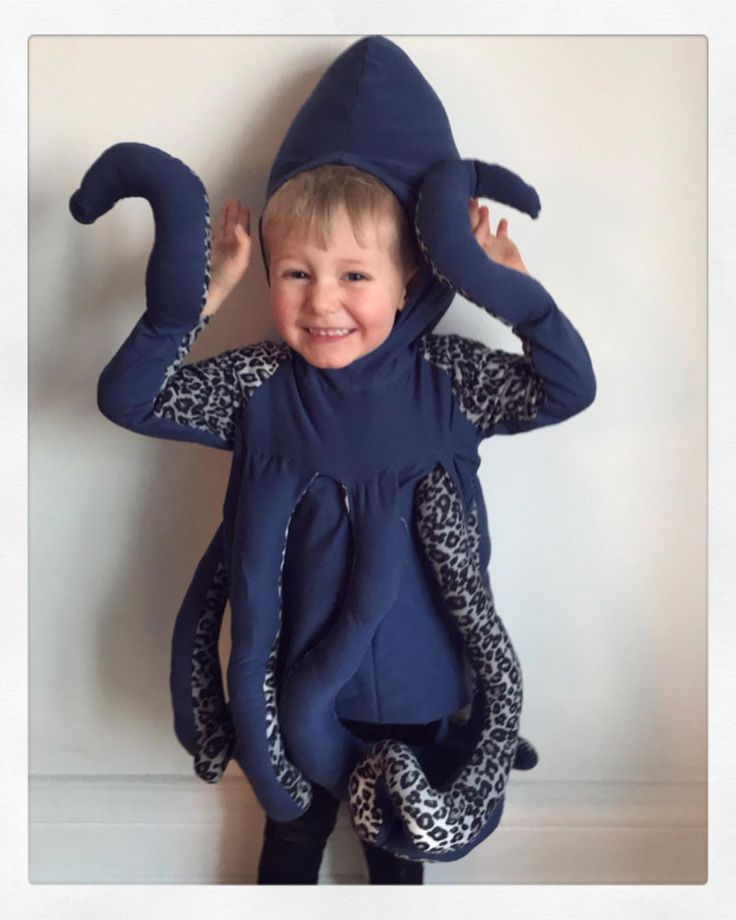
x=210, y=394
x=290, y=777
x=490, y=385
x=212, y=720
x=444, y=820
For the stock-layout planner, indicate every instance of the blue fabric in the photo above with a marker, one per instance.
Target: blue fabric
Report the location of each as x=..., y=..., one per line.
x=354, y=532
x=177, y=276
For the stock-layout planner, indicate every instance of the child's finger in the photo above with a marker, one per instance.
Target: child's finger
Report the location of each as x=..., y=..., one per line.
x=233, y=209
x=229, y=216
x=476, y=217
x=225, y=219
x=483, y=235
x=485, y=215
x=241, y=234
x=220, y=226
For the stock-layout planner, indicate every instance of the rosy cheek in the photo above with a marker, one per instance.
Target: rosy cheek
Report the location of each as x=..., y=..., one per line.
x=282, y=310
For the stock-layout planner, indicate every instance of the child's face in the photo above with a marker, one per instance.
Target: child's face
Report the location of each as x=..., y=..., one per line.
x=333, y=306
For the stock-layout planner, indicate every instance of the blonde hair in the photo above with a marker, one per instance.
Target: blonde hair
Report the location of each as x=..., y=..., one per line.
x=309, y=200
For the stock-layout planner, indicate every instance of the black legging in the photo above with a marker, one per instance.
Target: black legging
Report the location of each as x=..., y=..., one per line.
x=292, y=850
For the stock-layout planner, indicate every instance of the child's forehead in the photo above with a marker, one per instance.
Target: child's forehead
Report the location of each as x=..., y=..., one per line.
x=368, y=232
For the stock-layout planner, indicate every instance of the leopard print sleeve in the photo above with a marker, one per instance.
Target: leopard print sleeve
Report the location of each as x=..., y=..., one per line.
x=209, y=395
x=498, y=391
x=146, y=388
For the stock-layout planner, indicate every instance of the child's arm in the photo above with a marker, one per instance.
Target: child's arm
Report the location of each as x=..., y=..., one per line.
x=145, y=388
x=505, y=393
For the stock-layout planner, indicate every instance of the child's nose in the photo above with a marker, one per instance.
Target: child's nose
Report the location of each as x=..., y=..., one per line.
x=323, y=297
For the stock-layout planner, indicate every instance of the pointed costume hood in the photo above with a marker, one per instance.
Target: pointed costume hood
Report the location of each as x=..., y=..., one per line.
x=374, y=110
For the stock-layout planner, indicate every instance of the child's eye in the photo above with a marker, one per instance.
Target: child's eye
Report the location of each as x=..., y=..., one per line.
x=356, y=276
x=296, y=273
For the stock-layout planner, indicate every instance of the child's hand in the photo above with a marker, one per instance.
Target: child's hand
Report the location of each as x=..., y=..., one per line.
x=499, y=248
x=231, y=245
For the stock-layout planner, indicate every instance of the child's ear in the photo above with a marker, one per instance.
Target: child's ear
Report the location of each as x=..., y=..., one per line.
x=408, y=287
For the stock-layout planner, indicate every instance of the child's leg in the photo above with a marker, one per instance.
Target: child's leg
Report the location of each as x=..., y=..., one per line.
x=386, y=869
x=292, y=850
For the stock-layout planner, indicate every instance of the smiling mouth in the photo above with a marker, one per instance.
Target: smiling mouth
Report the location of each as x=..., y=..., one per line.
x=328, y=334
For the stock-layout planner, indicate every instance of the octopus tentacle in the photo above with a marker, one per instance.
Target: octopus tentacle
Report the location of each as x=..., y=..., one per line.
x=562, y=384
x=455, y=257
x=202, y=720
x=443, y=823
x=307, y=705
x=215, y=734
x=269, y=492
x=178, y=273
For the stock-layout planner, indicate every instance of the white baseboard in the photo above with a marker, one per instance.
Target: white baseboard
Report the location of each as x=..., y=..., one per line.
x=178, y=830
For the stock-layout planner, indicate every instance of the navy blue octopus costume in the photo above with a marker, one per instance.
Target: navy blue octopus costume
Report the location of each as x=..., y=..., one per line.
x=354, y=545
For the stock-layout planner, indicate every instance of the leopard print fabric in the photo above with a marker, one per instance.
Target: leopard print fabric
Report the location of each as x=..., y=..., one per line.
x=207, y=244
x=444, y=820
x=216, y=735
x=491, y=385
x=477, y=372
x=291, y=778
x=287, y=774
x=215, y=730
x=209, y=395
x=212, y=720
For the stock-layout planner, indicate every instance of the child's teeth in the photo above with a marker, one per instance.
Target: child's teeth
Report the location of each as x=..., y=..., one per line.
x=329, y=331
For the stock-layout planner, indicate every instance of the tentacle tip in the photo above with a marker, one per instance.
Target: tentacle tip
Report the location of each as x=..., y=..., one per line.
x=526, y=757
x=210, y=777
x=535, y=204
x=79, y=209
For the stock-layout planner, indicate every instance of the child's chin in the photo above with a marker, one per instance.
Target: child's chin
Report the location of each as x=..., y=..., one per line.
x=330, y=356
x=328, y=363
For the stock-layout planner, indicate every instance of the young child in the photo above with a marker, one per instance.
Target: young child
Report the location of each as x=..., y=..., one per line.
x=336, y=285
x=368, y=663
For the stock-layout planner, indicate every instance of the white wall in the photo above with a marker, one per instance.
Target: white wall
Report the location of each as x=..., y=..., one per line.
x=598, y=525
